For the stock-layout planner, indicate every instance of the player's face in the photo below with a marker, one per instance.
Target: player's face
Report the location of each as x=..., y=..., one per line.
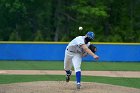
x=87, y=40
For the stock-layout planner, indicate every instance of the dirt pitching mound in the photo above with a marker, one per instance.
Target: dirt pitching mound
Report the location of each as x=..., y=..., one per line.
x=63, y=87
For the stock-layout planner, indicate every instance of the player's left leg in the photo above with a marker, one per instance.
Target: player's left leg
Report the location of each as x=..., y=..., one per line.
x=77, y=67
x=68, y=65
x=68, y=74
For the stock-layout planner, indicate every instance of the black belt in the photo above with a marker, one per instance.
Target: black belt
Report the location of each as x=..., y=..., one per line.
x=70, y=51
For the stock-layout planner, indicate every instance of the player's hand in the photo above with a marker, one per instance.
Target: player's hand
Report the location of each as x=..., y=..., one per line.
x=96, y=57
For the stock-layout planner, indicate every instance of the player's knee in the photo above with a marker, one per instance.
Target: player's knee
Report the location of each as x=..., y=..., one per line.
x=77, y=69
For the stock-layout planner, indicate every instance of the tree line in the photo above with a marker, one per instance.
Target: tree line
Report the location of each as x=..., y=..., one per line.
x=58, y=20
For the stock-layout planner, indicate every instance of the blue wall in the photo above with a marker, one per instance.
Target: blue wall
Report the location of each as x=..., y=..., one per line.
x=42, y=51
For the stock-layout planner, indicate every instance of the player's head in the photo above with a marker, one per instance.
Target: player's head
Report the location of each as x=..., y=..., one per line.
x=89, y=36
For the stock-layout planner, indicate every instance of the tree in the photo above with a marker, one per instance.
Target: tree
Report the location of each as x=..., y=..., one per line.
x=58, y=20
x=14, y=36
x=38, y=36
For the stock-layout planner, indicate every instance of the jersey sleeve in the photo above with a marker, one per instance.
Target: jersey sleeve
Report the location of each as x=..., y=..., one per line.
x=80, y=41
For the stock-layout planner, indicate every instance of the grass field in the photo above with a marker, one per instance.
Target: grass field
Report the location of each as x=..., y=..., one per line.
x=48, y=65
x=129, y=82
x=42, y=65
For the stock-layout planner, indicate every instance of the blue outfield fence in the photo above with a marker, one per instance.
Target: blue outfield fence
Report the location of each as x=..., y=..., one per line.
x=55, y=51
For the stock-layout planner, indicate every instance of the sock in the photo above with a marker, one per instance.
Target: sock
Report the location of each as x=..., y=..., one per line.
x=78, y=76
x=68, y=72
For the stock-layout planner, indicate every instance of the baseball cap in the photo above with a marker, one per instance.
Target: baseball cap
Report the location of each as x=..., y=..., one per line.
x=90, y=35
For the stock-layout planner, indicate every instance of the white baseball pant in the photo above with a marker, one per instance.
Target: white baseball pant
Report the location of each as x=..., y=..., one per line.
x=72, y=59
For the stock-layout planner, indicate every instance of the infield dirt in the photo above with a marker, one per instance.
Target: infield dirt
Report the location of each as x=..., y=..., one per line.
x=63, y=87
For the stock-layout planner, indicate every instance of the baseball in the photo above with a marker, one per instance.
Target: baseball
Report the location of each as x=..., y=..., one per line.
x=80, y=28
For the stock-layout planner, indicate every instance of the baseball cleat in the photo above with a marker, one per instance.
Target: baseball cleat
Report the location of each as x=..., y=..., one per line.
x=78, y=86
x=68, y=76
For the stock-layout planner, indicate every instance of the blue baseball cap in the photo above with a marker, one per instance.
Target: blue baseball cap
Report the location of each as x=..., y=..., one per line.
x=90, y=35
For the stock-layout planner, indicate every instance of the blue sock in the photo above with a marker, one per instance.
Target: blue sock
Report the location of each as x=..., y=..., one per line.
x=78, y=76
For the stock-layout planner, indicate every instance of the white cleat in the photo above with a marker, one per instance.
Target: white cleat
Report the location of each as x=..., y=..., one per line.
x=78, y=86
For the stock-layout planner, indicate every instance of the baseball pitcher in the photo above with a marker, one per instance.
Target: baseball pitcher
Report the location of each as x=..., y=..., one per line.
x=76, y=49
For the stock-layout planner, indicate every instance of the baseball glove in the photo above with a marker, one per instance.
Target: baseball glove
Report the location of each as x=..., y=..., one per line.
x=92, y=48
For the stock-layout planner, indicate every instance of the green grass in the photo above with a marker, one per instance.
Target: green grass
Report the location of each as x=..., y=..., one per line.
x=111, y=66
x=58, y=65
x=54, y=65
x=31, y=65
x=128, y=82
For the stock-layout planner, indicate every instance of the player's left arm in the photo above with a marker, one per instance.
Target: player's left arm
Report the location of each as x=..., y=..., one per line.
x=86, y=49
x=92, y=48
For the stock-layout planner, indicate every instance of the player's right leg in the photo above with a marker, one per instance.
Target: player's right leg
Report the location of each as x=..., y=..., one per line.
x=77, y=67
x=68, y=65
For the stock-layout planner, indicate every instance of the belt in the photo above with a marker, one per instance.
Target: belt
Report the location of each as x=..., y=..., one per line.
x=69, y=50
